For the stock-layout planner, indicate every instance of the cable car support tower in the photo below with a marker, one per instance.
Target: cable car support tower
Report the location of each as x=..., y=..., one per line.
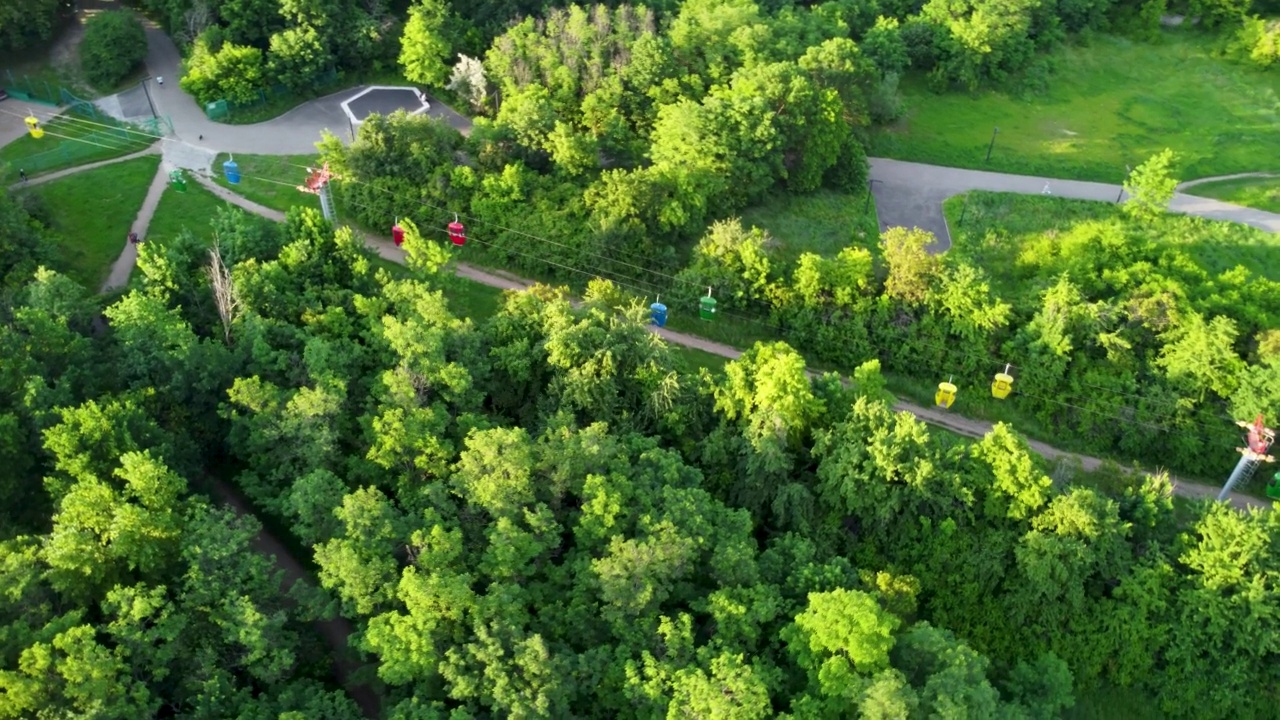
x=317, y=183
x=1258, y=441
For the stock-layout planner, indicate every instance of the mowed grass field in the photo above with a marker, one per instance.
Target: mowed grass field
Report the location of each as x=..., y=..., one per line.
x=92, y=212
x=192, y=210
x=269, y=180
x=823, y=222
x=70, y=139
x=1260, y=193
x=1112, y=102
x=1024, y=242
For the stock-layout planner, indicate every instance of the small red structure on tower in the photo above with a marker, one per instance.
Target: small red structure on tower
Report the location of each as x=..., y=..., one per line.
x=318, y=178
x=317, y=183
x=1259, y=437
x=457, y=233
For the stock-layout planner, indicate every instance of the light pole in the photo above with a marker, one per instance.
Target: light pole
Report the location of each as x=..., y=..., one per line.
x=866, y=207
x=1127, y=171
x=147, y=91
x=994, y=132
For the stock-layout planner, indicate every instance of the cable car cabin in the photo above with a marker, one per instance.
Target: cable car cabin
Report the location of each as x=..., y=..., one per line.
x=397, y=235
x=33, y=127
x=946, y=395
x=457, y=233
x=1002, y=386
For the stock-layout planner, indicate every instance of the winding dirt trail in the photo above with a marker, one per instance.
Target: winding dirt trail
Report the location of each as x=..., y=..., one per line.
x=335, y=632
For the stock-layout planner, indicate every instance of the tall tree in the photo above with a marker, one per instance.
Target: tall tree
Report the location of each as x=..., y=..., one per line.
x=1151, y=186
x=424, y=47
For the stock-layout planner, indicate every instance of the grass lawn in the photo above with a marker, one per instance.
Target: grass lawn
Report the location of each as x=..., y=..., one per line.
x=192, y=210
x=823, y=222
x=1260, y=193
x=1111, y=102
x=70, y=139
x=92, y=213
x=1019, y=239
x=261, y=175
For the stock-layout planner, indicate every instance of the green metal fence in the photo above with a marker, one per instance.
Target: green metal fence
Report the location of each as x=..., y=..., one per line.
x=102, y=143
x=32, y=89
x=220, y=109
x=87, y=148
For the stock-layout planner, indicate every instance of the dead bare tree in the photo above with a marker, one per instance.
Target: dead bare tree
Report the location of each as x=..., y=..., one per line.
x=224, y=290
x=195, y=21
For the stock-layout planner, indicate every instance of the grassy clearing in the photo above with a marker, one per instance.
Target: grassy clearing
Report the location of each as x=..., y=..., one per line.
x=92, y=213
x=1260, y=193
x=70, y=139
x=192, y=210
x=1111, y=102
x=261, y=177
x=1024, y=241
x=823, y=222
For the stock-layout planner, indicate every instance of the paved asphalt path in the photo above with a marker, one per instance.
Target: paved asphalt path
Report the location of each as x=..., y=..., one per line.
x=123, y=266
x=910, y=195
x=293, y=133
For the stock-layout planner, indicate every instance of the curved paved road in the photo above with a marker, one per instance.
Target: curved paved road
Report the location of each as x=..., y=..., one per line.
x=910, y=194
x=293, y=133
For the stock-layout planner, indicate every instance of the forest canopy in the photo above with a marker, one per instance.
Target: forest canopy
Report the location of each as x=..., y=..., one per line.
x=540, y=513
x=536, y=516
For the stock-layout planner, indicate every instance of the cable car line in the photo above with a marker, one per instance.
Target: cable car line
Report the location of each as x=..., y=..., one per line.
x=531, y=236
x=500, y=248
x=1113, y=405
x=639, y=257
x=983, y=359
x=68, y=117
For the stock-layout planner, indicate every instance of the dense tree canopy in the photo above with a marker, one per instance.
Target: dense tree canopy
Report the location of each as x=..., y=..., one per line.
x=536, y=515
x=24, y=23
x=114, y=44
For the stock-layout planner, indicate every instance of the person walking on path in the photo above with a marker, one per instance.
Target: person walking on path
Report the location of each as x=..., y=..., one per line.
x=22, y=174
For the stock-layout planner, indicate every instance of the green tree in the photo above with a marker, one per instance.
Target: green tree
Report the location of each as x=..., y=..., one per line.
x=72, y=674
x=361, y=564
x=912, y=268
x=233, y=72
x=101, y=535
x=986, y=39
x=883, y=43
x=114, y=44
x=1151, y=186
x=1202, y=355
x=731, y=691
x=26, y=22
x=296, y=58
x=250, y=22
x=424, y=47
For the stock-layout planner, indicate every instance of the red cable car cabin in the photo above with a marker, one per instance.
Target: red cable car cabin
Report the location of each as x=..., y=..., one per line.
x=397, y=235
x=457, y=233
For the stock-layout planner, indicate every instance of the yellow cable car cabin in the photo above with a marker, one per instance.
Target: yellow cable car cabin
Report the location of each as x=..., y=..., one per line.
x=1002, y=386
x=33, y=127
x=946, y=395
